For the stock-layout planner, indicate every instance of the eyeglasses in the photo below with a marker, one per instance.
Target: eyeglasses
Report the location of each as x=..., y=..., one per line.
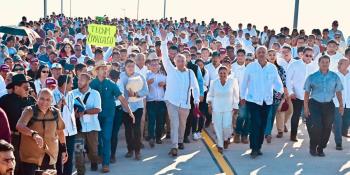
x=309, y=56
x=45, y=72
x=19, y=69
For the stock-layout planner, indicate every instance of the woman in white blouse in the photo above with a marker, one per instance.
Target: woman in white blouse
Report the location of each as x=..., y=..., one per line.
x=223, y=99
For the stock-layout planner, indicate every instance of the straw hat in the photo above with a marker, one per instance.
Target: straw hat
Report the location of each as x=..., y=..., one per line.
x=99, y=64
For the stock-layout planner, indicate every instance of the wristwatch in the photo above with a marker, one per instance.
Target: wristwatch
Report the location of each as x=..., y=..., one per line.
x=34, y=133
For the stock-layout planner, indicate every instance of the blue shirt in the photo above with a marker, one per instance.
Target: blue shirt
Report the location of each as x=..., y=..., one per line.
x=44, y=58
x=108, y=91
x=322, y=87
x=134, y=105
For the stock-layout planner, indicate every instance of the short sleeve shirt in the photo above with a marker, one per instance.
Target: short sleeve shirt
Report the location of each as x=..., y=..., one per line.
x=29, y=150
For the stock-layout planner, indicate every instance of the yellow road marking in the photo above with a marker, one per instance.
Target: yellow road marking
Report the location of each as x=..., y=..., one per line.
x=221, y=161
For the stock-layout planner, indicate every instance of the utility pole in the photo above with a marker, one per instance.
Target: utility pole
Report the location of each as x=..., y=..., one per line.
x=138, y=8
x=164, y=8
x=124, y=12
x=296, y=14
x=61, y=6
x=70, y=8
x=45, y=8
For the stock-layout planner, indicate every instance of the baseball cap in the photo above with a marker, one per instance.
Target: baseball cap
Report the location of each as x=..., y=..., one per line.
x=50, y=82
x=222, y=51
x=5, y=68
x=73, y=60
x=215, y=54
x=56, y=66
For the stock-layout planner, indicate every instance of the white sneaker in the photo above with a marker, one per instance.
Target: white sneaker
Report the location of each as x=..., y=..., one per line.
x=195, y=137
x=199, y=136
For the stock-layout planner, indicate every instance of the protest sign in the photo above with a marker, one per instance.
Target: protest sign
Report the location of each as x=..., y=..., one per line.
x=101, y=35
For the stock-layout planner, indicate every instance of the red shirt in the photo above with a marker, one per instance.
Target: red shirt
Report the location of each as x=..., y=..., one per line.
x=5, y=132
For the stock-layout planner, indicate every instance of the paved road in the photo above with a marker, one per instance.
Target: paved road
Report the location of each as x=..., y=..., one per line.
x=281, y=157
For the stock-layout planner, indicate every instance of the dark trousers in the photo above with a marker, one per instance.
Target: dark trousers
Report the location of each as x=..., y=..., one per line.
x=258, y=114
x=198, y=123
x=156, y=111
x=294, y=122
x=133, y=131
x=117, y=123
x=16, y=139
x=30, y=168
x=189, y=120
x=243, y=121
x=319, y=123
x=67, y=168
x=208, y=117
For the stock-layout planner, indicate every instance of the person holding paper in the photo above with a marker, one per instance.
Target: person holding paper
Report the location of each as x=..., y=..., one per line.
x=135, y=88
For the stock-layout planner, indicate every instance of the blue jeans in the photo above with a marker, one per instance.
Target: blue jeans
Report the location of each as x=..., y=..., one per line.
x=340, y=124
x=104, y=137
x=118, y=120
x=156, y=111
x=271, y=118
x=243, y=121
x=258, y=114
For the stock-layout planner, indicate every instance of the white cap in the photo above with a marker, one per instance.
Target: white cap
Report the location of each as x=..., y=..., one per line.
x=56, y=66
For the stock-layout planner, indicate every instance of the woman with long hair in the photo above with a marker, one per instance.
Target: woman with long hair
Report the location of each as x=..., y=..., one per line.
x=43, y=74
x=66, y=50
x=278, y=102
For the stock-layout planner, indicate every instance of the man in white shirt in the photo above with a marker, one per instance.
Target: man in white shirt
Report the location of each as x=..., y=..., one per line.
x=224, y=40
x=263, y=36
x=250, y=30
x=260, y=79
x=214, y=66
x=331, y=51
x=77, y=53
x=89, y=123
x=286, y=58
x=63, y=98
x=297, y=73
x=140, y=65
x=81, y=34
x=156, y=107
x=242, y=128
x=180, y=82
x=341, y=122
x=285, y=61
x=311, y=43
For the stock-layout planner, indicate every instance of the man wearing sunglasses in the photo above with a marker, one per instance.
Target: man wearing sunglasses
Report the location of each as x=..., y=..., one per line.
x=13, y=105
x=297, y=73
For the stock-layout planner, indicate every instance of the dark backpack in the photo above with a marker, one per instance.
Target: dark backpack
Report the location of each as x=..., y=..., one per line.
x=36, y=119
x=77, y=121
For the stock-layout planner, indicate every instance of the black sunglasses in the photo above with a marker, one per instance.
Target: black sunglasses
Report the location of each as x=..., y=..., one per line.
x=18, y=69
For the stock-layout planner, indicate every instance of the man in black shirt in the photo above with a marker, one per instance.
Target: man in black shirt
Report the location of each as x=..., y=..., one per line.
x=13, y=105
x=34, y=67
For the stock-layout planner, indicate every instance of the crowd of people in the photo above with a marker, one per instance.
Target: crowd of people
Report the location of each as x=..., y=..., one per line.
x=63, y=99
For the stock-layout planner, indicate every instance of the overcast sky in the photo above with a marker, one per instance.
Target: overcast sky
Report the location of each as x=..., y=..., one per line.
x=274, y=13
